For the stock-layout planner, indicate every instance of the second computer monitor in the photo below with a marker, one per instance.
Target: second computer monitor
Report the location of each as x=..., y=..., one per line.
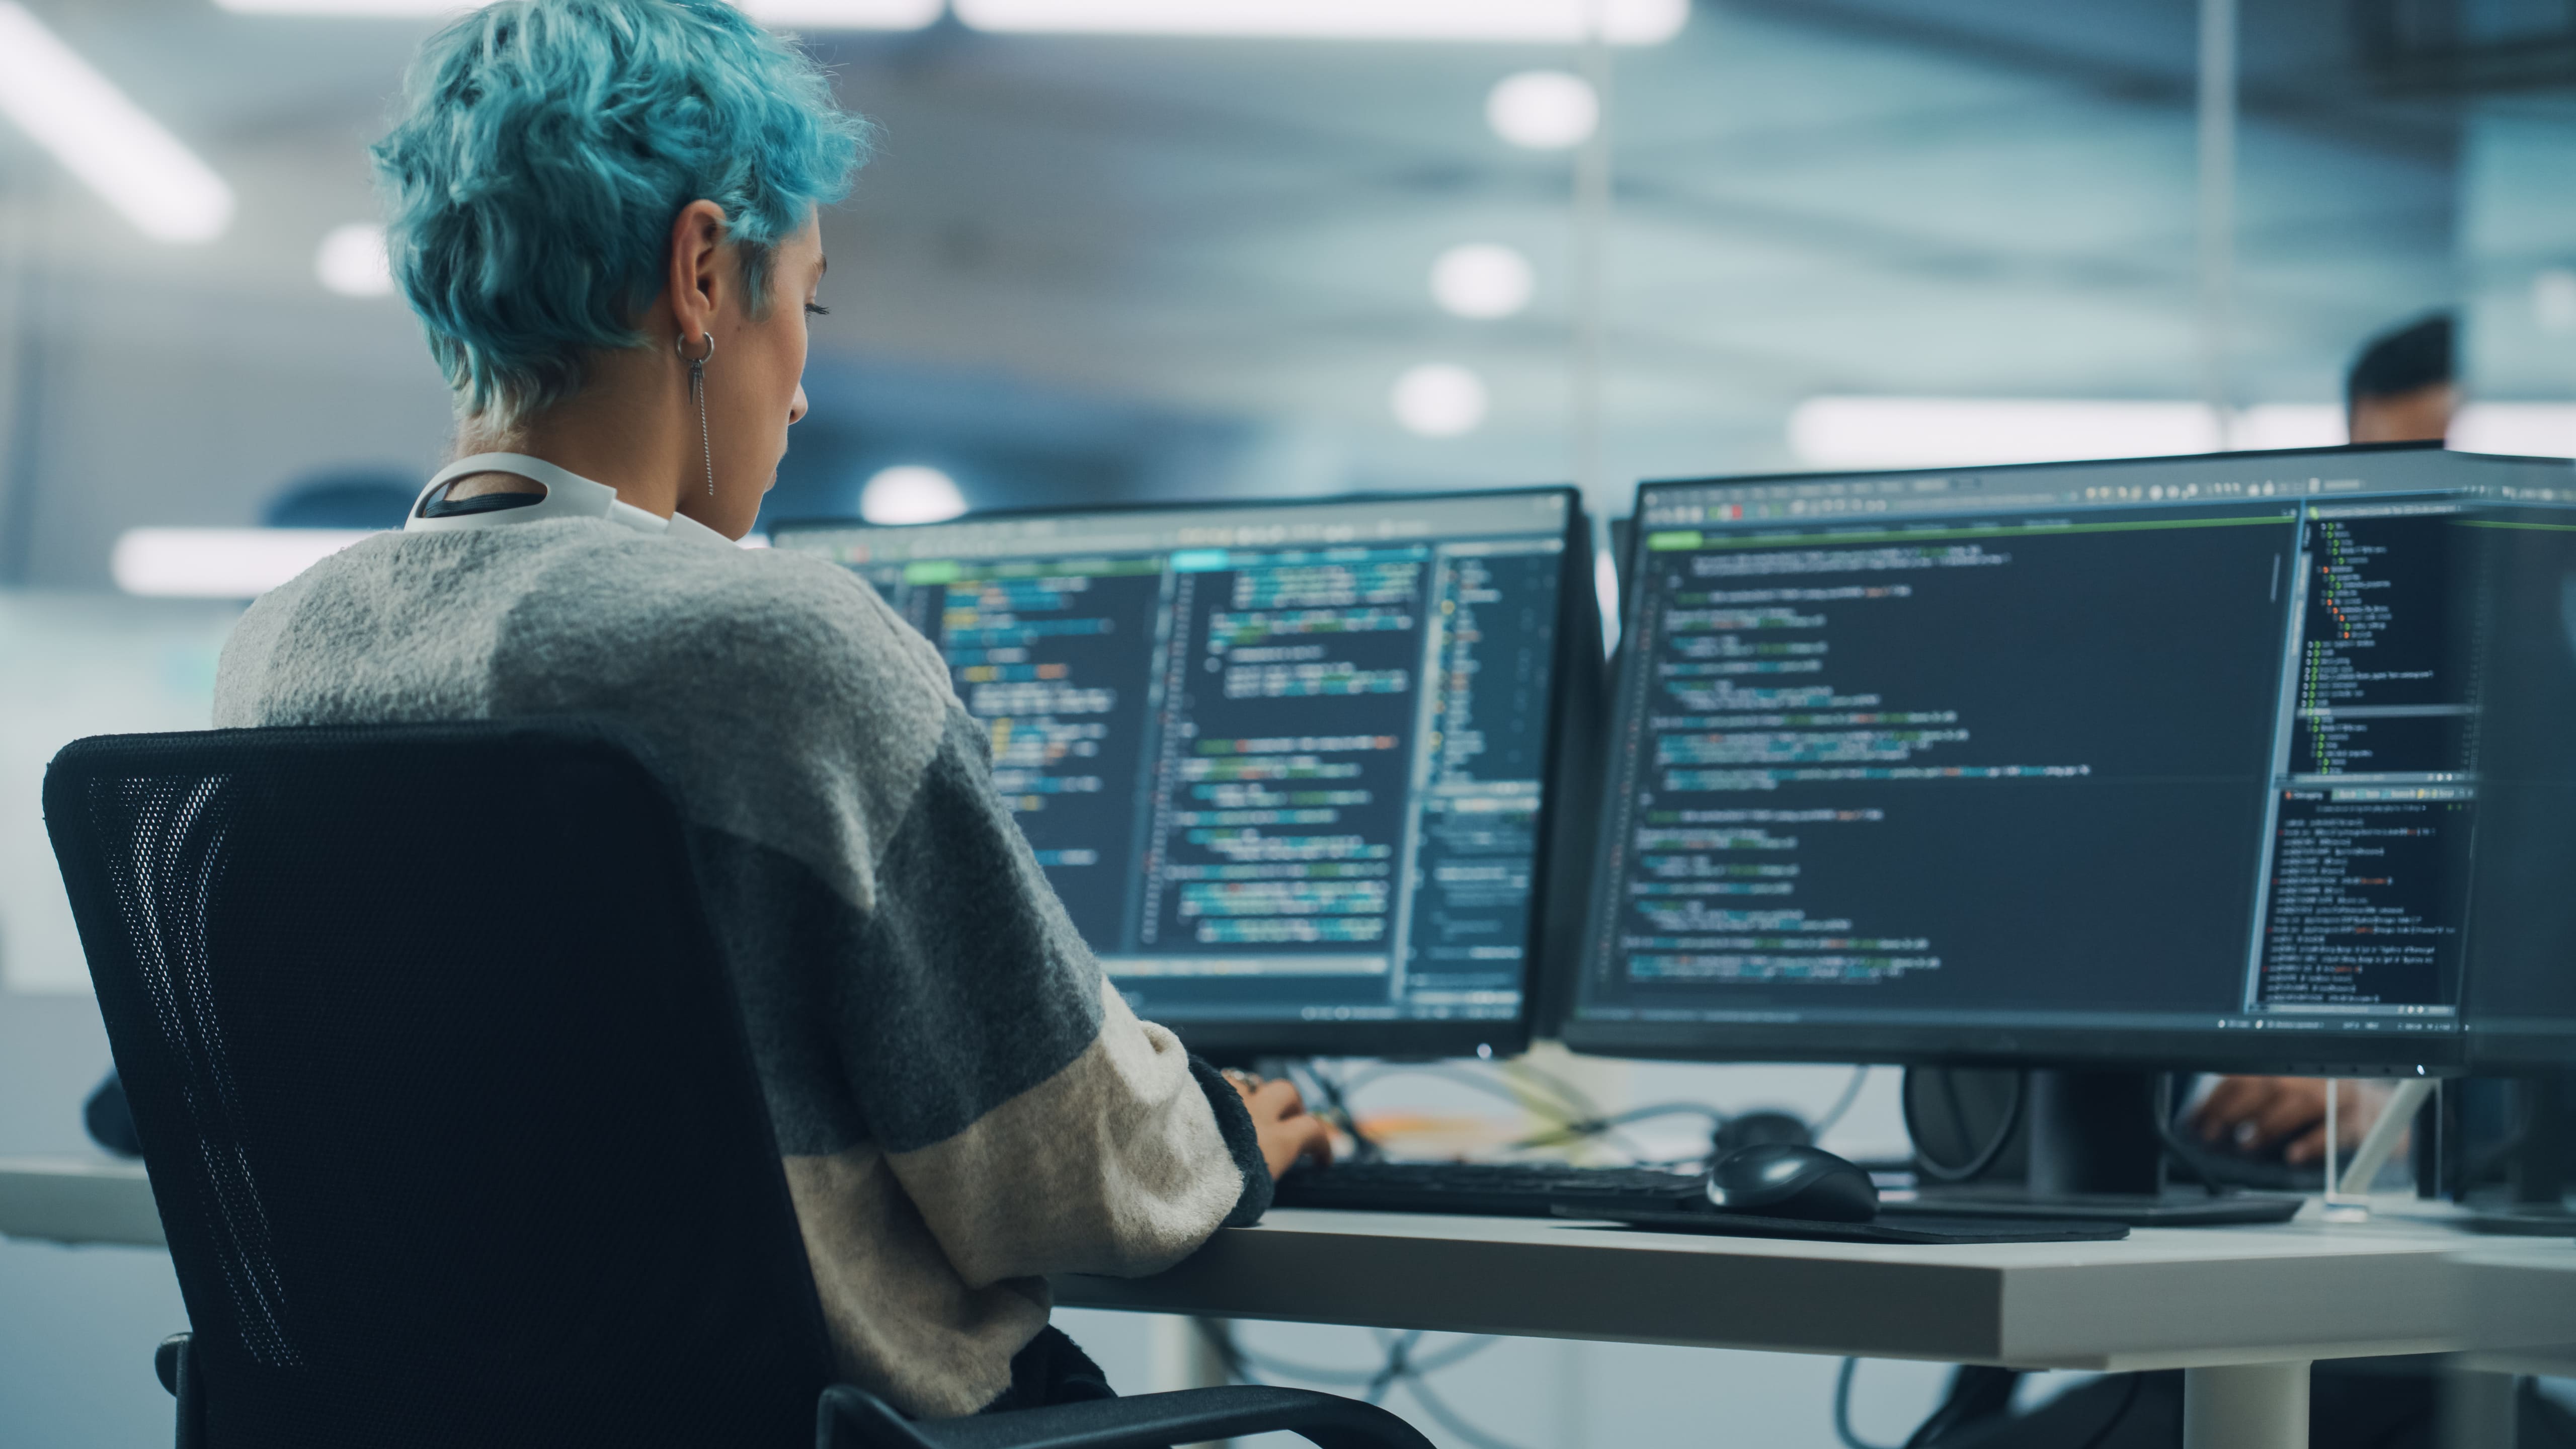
x=2169, y=762
x=1286, y=765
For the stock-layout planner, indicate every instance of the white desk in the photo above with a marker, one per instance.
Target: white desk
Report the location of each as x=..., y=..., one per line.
x=2244, y=1310
x=78, y=1200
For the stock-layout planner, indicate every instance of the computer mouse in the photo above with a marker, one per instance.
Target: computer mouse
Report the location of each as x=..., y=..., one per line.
x=1788, y=1180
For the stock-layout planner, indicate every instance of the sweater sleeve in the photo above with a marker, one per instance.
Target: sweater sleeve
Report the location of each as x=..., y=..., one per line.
x=1039, y=1126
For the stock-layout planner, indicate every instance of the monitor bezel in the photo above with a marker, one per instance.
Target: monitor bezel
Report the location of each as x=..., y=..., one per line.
x=1244, y=1040
x=2217, y=1049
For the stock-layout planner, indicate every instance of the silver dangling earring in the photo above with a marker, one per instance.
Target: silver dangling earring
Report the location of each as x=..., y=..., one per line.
x=698, y=395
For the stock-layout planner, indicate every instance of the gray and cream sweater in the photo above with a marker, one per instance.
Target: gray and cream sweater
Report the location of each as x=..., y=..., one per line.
x=962, y=1101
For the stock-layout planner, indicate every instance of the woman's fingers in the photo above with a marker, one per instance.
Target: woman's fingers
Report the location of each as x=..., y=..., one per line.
x=2231, y=1102
x=2297, y=1106
x=1280, y=1098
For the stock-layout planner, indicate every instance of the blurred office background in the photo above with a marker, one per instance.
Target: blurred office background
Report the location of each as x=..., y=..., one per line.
x=1167, y=249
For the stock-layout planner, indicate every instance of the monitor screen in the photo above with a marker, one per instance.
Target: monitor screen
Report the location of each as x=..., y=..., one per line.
x=2169, y=761
x=1284, y=763
x=2521, y=992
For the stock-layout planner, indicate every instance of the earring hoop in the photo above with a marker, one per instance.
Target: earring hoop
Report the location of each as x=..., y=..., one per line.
x=680, y=347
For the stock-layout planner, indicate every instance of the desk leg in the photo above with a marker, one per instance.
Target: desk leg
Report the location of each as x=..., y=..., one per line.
x=1184, y=1359
x=2246, y=1406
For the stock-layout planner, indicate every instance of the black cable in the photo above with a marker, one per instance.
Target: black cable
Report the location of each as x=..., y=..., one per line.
x=1572, y=1098
x=2128, y=1401
x=1842, y=1409
x=1363, y=1147
x=1449, y=1418
x=1977, y=1394
x=1565, y=1114
x=1601, y=1126
x=1842, y=1105
x=1244, y=1366
x=1979, y=1165
x=1572, y=1112
x=2208, y=1171
x=1399, y=1351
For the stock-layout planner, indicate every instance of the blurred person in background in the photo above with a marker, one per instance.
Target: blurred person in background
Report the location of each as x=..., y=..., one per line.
x=605, y=214
x=2404, y=387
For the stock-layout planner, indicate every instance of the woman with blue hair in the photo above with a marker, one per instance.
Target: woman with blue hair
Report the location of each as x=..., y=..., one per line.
x=605, y=214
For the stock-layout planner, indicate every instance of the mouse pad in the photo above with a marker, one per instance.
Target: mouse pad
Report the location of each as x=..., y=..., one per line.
x=1908, y=1230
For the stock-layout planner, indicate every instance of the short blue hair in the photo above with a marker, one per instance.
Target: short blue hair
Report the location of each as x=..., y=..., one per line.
x=543, y=149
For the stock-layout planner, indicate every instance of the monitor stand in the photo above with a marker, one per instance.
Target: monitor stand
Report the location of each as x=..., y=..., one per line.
x=2095, y=1155
x=2536, y=1171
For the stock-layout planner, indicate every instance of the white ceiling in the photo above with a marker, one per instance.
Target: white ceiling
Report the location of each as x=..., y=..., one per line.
x=1900, y=196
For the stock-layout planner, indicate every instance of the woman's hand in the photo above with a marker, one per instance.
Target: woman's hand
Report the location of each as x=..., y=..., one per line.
x=1288, y=1136
x=2253, y=1113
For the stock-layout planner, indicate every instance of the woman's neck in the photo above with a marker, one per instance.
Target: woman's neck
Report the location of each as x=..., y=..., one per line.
x=621, y=429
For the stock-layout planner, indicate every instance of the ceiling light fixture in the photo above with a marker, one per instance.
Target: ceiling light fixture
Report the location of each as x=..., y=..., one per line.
x=1927, y=432
x=808, y=14
x=911, y=493
x=220, y=563
x=1439, y=400
x=102, y=137
x=1543, y=110
x=2521, y=430
x=1552, y=22
x=1482, y=280
x=354, y=9
x=844, y=14
x=351, y=261
x=1933, y=432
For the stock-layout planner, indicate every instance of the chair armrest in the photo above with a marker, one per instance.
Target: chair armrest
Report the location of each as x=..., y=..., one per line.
x=175, y=1361
x=852, y=1419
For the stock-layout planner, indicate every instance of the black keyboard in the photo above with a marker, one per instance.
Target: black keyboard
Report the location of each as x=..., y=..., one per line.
x=1487, y=1189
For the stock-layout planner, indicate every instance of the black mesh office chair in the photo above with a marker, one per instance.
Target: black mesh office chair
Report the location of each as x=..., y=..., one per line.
x=451, y=1118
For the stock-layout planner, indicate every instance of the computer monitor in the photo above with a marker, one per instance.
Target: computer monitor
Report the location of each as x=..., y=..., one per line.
x=2520, y=1004
x=2159, y=763
x=1293, y=768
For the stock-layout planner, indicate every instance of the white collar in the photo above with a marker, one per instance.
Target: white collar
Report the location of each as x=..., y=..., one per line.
x=567, y=495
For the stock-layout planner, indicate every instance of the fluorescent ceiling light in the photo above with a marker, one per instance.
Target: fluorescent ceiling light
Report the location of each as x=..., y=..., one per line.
x=359, y=9
x=844, y=14
x=910, y=493
x=220, y=563
x=810, y=14
x=2527, y=430
x=351, y=261
x=103, y=138
x=1554, y=22
x=1482, y=280
x=1439, y=400
x=1543, y=110
x=2289, y=425
x=1927, y=432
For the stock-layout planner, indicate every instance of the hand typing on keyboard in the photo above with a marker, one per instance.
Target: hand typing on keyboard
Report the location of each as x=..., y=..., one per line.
x=1288, y=1135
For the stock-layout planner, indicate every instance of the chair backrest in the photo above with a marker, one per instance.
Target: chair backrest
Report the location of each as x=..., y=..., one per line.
x=442, y=1088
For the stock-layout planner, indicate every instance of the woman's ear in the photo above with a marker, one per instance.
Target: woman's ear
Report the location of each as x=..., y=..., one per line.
x=696, y=284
